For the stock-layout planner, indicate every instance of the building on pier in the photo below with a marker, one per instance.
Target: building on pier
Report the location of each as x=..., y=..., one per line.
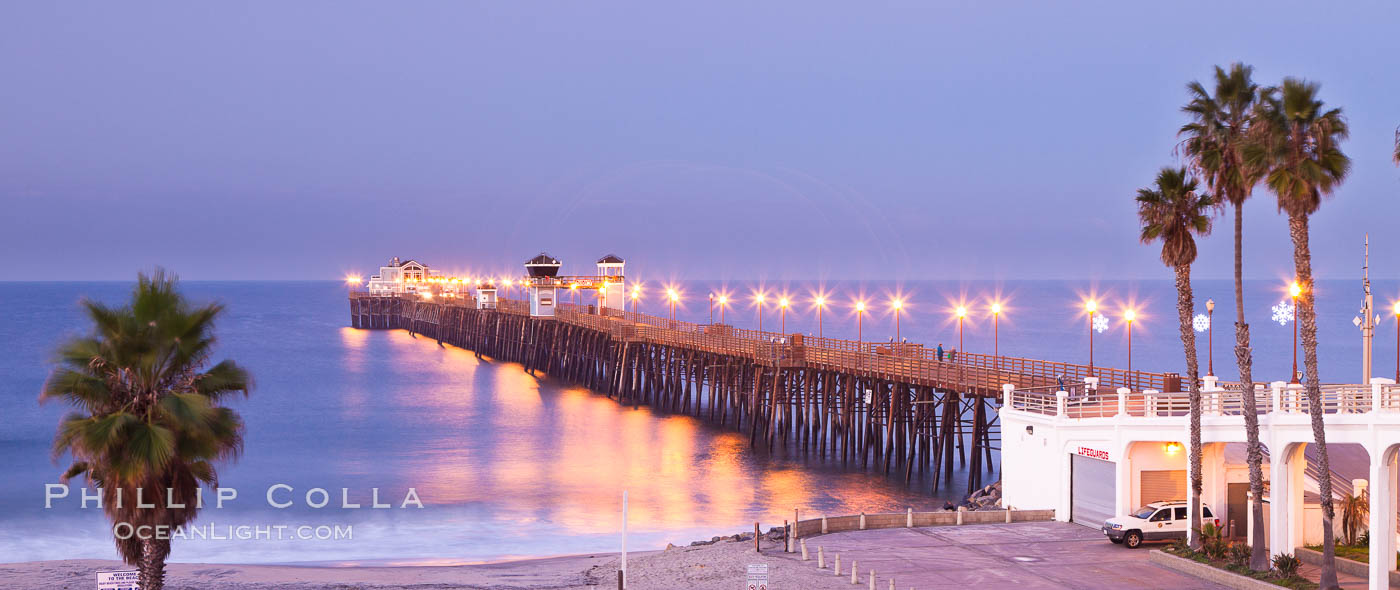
x=546, y=286
x=403, y=278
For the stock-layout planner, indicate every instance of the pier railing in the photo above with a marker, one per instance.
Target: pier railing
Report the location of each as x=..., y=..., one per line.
x=1286, y=398
x=902, y=360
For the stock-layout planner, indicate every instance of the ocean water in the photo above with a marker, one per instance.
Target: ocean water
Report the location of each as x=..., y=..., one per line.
x=508, y=465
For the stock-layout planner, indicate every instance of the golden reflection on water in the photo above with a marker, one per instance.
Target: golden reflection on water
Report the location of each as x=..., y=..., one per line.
x=533, y=449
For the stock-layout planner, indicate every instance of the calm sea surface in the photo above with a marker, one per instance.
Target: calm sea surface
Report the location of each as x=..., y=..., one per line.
x=510, y=465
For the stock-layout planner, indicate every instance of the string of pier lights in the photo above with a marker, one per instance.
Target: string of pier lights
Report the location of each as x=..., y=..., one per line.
x=820, y=303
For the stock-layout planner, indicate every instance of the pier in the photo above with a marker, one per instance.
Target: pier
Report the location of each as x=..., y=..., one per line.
x=895, y=405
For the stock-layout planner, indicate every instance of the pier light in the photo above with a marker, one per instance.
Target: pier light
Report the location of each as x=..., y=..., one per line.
x=1091, y=306
x=821, y=304
x=712, y=307
x=1294, y=291
x=860, y=321
x=352, y=280
x=961, y=312
x=758, y=298
x=673, y=296
x=636, y=294
x=1171, y=448
x=723, y=301
x=996, y=329
x=1129, y=316
x=1397, y=341
x=898, y=306
x=783, y=305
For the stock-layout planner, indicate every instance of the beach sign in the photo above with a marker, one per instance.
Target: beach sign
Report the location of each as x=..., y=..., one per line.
x=123, y=580
x=758, y=577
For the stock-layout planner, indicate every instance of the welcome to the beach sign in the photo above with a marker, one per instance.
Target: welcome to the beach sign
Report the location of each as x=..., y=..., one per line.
x=124, y=580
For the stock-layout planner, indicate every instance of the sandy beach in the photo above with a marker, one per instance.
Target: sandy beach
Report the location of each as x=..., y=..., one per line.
x=718, y=566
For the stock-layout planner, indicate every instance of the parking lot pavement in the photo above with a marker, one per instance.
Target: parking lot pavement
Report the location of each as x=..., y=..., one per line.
x=1021, y=556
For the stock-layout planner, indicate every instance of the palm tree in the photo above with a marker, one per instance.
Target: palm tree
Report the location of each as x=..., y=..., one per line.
x=1298, y=140
x=1173, y=212
x=1396, y=157
x=1214, y=144
x=147, y=413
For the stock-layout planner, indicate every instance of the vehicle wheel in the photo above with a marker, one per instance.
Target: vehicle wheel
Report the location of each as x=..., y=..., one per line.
x=1132, y=540
x=1116, y=541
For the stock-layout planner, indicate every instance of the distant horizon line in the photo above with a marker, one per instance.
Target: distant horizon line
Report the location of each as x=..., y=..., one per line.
x=746, y=280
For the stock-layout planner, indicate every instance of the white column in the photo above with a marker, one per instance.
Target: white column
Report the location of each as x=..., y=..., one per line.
x=1276, y=393
x=1286, y=467
x=1382, y=518
x=1061, y=397
x=1123, y=474
x=1123, y=400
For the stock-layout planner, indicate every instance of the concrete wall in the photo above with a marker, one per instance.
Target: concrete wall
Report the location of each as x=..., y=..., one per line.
x=891, y=520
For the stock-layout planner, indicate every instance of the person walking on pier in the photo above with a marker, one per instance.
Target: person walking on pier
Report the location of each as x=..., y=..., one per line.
x=940, y=352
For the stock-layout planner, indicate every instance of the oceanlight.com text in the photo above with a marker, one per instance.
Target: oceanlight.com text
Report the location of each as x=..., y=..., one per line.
x=214, y=532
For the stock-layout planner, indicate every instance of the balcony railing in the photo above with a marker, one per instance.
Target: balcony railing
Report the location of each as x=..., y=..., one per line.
x=1080, y=402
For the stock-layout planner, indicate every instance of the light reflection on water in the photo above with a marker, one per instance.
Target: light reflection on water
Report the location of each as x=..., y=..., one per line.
x=507, y=464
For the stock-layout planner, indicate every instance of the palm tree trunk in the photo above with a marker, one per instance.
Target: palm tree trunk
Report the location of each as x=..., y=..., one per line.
x=1302, y=265
x=1259, y=554
x=1185, y=307
x=152, y=563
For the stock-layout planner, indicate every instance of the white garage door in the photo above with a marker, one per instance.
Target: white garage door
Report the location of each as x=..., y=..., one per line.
x=1091, y=490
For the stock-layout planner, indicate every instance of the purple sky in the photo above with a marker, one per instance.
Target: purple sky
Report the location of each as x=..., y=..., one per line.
x=701, y=140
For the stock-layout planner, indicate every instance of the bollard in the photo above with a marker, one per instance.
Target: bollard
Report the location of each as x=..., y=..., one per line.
x=872, y=579
x=756, y=537
x=823, y=524
x=821, y=558
x=891, y=583
x=803, y=544
x=961, y=510
x=787, y=538
x=1008, y=514
x=909, y=519
x=855, y=569
x=862, y=521
x=795, y=515
x=838, y=564
x=619, y=579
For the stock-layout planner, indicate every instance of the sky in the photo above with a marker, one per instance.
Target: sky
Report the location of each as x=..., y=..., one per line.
x=699, y=140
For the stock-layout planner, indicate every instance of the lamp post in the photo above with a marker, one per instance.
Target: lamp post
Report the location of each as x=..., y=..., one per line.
x=723, y=303
x=962, y=313
x=821, y=303
x=996, y=330
x=636, y=294
x=897, y=305
x=759, y=299
x=712, y=307
x=1397, y=341
x=1210, y=337
x=352, y=281
x=1091, y=307
x=783, y=305
x=673, y=296
x=1129, y=316
x=1294, y=291
x=860, y=323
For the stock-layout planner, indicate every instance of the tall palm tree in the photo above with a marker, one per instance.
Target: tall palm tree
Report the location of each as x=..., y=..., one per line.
x=147, y=413
x=1173, y=212
x=1396, y=157
x=1214, y=143
x=1298, y=140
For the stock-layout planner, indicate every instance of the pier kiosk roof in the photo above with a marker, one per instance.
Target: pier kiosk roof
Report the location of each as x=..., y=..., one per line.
x=542, y=265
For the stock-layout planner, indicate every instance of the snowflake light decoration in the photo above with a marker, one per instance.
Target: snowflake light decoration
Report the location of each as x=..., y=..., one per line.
x=1283, y=313
x=1201, y=322
x=1100, y=323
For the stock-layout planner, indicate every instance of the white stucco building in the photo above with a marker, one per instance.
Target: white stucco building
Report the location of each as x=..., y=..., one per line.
x=1091, y=455
x=402, y=277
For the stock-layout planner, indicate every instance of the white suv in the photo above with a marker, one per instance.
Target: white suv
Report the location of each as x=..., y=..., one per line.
x=1158, y=521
